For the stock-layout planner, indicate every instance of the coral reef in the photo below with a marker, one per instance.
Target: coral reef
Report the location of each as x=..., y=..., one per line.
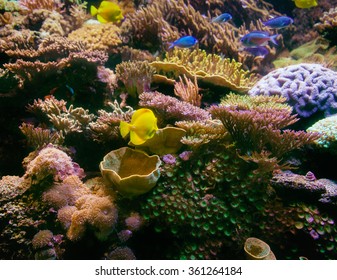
x=309, y=88
x=209, y=68
x=214, y=176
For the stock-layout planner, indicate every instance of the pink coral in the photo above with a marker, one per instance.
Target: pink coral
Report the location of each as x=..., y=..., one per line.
x=52, y=161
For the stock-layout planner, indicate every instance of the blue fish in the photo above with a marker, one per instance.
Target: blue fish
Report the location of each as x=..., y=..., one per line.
x=222, y=18
x=257, y=51
x=184, y=42
x=278, y=22
x=258, y=38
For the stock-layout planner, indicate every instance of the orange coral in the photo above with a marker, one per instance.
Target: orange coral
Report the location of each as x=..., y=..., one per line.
x=98, y=212
x=103, y=37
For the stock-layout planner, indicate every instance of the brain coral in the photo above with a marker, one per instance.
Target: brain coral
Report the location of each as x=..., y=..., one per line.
x=309, y=88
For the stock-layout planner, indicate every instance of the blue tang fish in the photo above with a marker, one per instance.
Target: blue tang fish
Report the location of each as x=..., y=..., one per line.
x=222, y=18
x=184, y=42
x=278, y=22
x=258, y=38
x=257, y=51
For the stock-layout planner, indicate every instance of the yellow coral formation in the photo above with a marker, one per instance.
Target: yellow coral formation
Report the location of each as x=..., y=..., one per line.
x=209, y=68
x=103, y=37
x=130, y=172
x=166, y=140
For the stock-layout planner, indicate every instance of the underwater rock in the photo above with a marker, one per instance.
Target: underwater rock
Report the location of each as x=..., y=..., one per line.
x=130, y=172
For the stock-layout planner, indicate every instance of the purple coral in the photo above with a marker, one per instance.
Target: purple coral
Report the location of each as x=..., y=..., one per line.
x=309, y=88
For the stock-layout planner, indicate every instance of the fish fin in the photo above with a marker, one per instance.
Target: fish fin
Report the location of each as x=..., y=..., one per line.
x=93, y=10
x=272, y=39
x=135, y=139
x=101, y=19
x=124, y=128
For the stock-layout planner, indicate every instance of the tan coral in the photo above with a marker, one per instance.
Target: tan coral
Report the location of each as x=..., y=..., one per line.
x=209, y=68
x=256, y=249
x=12, y=186
x=130, y=172
x=103, y=37
x=98, y=212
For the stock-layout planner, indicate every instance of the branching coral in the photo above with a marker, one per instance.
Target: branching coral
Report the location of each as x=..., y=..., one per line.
x=209, y=68
x=328, y=25
x=135, y=75
x=170, y=109
x=255, y=124
x=106, y=127
x=188, y=91
x=50, y=5
x=38, y=137
x=202, y=132
x=65, y=120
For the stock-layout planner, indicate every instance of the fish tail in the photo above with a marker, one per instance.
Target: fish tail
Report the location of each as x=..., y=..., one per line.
x=273, y=39
x=124, y=128
x=93, y=10
x=171, y=46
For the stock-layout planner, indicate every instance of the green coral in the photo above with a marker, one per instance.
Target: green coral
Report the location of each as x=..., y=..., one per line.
x=327, y=128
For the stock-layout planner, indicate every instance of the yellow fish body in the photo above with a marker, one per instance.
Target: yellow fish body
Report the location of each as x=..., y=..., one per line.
x=305, y=4
x=107, y=12
x=143, y=126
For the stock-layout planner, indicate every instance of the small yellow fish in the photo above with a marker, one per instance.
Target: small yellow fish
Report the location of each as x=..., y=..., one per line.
x=305, y=4
x=107, y=12
x=143, y=126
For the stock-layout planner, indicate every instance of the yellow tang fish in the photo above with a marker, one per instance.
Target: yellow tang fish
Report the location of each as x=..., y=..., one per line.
x=305, y=3
x=107, y=12
x=143, y=126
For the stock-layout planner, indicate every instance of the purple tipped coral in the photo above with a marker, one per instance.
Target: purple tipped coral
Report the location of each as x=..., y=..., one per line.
x=309, y=88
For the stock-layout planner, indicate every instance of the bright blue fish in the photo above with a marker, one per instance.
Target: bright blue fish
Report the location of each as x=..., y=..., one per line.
x=257, y=51
x=258, y=38
x=278, y=22
x=222, y=18
x=184, y=42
